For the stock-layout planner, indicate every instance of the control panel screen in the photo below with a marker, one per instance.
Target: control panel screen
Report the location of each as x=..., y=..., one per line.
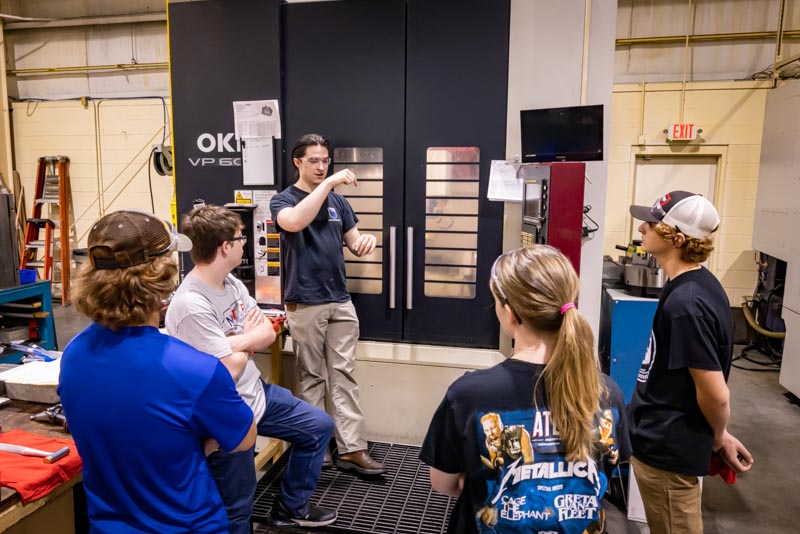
x=532, y=206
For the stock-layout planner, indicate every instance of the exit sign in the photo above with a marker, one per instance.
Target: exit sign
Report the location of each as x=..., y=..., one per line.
x=682, y=132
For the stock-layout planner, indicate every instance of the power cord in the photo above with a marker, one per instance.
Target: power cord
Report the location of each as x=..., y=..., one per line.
x=771, y=366
x=150, y=180
x=587, y=231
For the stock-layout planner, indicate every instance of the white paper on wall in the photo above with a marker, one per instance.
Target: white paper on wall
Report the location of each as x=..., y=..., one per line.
x=257, y=118
x=504, y=185
x=258, y=167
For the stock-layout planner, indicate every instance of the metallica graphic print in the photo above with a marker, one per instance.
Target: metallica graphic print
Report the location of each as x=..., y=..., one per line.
x=534, y=487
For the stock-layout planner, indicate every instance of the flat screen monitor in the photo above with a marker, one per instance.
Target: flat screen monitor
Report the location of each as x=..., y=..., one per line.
x=562, y=134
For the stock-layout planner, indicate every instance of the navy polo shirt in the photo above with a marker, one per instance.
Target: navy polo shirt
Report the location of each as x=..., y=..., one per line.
x=313, y=260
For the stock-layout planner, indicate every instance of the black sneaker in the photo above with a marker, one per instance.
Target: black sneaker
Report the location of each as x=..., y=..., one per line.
x=316, y=516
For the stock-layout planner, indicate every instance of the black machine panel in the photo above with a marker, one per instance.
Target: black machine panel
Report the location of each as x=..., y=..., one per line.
x=345, y=79
x=218, y=55
x=398, y=75
x=457, y=70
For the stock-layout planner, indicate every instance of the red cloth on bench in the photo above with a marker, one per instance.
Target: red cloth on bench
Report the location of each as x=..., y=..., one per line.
x=29, y=475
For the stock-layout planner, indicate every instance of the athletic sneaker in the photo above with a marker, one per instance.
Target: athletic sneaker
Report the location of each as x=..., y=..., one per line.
x=316, y=516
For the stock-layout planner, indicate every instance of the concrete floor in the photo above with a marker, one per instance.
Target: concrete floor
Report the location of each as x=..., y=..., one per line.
x=762, y=500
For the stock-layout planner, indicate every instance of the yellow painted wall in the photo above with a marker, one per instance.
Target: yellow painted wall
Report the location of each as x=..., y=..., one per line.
x=731, y=116
x=108, y=143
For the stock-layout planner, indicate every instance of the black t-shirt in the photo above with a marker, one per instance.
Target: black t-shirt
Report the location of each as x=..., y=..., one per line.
x=313, y=260
x=517, y=478
x=692, y=328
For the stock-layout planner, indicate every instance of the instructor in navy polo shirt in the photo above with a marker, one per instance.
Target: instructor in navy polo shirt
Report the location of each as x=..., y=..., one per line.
x=313, y=222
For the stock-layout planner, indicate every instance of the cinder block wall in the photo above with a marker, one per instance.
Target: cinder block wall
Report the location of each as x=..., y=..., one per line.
x=731, y=115
x=108, y=143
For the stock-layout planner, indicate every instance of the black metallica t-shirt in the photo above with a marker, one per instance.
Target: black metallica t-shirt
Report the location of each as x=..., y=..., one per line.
x=692, y=328
x=517, y=478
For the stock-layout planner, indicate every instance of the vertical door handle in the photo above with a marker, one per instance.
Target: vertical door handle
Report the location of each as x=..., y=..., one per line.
x=392, y=265
x=410, y=268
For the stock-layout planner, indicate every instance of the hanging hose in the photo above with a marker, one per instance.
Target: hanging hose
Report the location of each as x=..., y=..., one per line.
x=162, y=159
x=748, y=315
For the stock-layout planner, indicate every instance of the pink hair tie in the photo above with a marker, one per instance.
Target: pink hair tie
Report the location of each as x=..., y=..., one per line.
x=567, y=306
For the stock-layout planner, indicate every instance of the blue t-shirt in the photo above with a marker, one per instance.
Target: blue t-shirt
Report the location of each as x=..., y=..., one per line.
x=313, y=260
x=139, y=405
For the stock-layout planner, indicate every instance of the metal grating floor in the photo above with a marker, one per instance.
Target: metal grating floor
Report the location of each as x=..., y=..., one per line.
x=400, y=502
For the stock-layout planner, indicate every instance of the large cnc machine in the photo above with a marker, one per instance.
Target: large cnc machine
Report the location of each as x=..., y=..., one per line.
x=777, y=216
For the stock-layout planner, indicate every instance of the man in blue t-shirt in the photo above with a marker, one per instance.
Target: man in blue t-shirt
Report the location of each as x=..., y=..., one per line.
x=144, y=408
x=314, y=221
x=679, y=412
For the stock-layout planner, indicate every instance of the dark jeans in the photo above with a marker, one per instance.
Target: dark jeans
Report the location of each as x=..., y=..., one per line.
x=307, y=428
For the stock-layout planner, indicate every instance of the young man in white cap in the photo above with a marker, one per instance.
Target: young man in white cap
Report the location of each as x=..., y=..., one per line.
x=679, y=412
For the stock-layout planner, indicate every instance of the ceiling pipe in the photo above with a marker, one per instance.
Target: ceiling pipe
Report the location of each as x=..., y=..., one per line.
x=788, y=34
x=778, y=44
x=160, y=16
x=90, y=68
x=587, y=23
x=689, y=28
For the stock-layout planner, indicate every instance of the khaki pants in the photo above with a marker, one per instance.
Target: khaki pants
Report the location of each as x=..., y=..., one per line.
x=671, y=500
x=325, y=337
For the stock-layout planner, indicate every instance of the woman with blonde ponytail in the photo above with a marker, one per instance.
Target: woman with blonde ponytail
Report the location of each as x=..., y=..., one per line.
x=522, y=444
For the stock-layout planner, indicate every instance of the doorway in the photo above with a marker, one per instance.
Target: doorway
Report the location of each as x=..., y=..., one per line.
x=657, y=175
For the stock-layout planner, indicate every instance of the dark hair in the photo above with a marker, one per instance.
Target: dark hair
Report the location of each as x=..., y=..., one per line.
x=208, y=227
x=306, y=141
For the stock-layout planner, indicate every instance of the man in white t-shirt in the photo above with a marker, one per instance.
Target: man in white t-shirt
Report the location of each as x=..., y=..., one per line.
x=213, y=311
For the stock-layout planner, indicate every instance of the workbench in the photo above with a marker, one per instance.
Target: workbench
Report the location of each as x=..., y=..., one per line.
x=54, y=513
x=27, y=295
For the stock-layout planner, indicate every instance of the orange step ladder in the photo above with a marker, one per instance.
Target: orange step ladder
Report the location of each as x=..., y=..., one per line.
x=51, y=190
x=33, y=228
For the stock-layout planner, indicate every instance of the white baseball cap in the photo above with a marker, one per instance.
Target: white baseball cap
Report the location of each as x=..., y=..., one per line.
x=689, y=213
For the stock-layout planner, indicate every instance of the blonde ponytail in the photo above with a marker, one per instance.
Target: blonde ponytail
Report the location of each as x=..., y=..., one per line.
x=572, y=383
x=540, y=285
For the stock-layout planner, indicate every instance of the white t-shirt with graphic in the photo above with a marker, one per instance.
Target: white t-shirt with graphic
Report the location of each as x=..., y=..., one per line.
x=203, y=317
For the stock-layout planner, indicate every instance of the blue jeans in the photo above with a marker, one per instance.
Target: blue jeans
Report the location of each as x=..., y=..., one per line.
x=307, y=428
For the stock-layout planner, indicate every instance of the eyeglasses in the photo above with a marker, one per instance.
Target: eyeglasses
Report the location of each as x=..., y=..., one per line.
x=242, y=238
x=316, y=161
